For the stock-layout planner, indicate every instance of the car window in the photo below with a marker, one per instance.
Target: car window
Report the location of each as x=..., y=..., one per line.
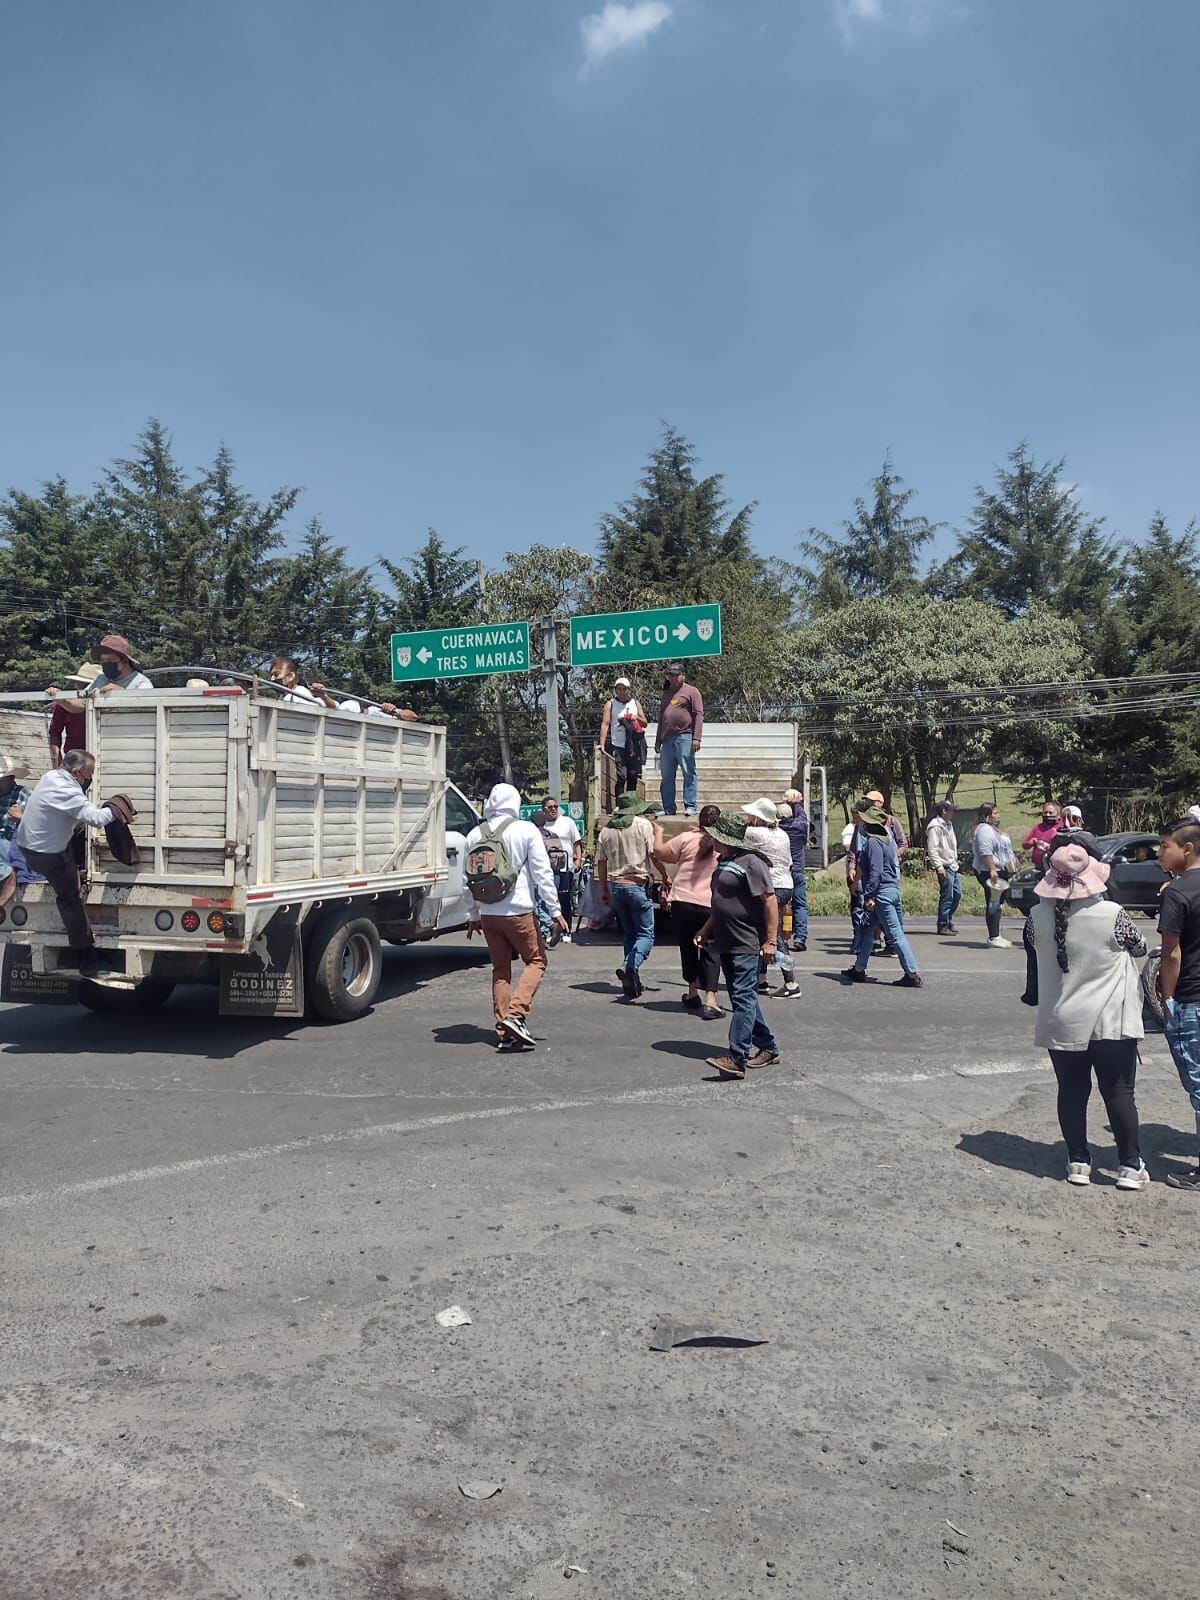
x=459, y=816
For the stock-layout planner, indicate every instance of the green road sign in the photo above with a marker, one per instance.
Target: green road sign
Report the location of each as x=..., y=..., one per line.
x=466, y=652
x=623, y=636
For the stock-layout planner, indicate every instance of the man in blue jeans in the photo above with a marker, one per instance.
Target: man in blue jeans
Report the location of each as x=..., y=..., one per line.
x=677, y=738
x=796, y=828
x=1179, y=975
x=624, y=867
x=879, y=881
x=744, y=925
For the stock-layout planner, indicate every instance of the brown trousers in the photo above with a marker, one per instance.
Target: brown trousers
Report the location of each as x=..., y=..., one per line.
x=506, y=937
x=62, y=874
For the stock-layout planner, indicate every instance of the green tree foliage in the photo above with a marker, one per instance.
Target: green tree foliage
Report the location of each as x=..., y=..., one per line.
x=674, y=542
x=905, y=694
x=1153, y=753
x=880, y=550
x=1029, y=539
x=438, y=587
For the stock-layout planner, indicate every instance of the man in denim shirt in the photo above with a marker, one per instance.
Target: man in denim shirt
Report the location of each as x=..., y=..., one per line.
x=878, y=880
x=796, y=828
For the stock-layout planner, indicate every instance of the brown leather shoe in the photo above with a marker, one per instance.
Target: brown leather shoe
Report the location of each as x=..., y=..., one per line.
x=727, y=1066
x=763, y=1058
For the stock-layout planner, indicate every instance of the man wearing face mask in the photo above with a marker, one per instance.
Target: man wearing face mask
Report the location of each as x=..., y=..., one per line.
x=118, y=670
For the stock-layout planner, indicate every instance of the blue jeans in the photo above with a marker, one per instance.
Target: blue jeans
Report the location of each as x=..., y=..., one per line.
x=1182, y=1033
x=886, y=915
x=799, y=906
x=991, y=906
x=677, y=755
x=634, y=911
x=747, y=1026
x=949, y=897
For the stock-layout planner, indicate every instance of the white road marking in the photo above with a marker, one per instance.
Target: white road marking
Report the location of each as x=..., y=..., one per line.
x=697, y=1093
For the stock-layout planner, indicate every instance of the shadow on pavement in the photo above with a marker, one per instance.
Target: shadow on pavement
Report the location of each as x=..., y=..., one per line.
x=464, y=1033
x=189, y=1023
x=693, y=1049
x=1016, y=1153
x=1048, y=1160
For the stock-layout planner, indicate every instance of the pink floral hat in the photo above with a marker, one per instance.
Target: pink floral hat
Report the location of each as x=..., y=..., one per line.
x=1072, y=873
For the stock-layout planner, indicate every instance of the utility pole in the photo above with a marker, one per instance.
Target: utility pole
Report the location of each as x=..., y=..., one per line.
x=501, y=725
x=553, y=753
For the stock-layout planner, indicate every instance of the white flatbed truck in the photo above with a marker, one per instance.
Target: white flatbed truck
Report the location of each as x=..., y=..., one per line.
x=280, y=844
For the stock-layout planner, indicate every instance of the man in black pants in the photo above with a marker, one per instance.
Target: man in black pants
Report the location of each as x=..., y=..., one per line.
x=56, y=808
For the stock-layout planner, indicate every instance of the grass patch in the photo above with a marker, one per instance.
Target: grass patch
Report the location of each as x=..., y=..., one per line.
x=829, y=897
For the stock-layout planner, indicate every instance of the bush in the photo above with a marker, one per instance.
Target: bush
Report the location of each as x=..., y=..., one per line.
x=828, y=897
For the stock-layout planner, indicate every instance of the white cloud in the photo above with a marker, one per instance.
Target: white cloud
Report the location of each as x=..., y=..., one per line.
x=915, y=16
x=618, y=27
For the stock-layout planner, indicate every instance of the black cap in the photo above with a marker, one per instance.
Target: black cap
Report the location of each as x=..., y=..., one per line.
x=676, y=666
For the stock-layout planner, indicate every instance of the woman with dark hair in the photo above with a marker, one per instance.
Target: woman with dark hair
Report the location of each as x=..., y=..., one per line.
x=1087, y=988
x=694, y=856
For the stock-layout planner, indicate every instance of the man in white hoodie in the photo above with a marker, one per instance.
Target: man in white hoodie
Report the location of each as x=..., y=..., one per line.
x=507, y=923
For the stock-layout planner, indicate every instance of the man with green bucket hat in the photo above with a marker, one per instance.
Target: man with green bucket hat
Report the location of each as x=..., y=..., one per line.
x=878, y=877
x=744, y=925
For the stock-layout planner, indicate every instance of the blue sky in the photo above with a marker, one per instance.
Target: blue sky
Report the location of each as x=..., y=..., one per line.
x=449, y=262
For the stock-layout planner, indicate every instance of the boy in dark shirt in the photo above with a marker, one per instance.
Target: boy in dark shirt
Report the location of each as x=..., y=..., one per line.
x=743, y=924
x=1179, y=925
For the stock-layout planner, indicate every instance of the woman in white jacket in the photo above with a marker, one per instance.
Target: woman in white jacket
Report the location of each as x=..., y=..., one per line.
x=1089, y=1000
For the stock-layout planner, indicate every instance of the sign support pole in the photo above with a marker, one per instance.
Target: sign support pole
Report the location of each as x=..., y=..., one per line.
x=553, y=753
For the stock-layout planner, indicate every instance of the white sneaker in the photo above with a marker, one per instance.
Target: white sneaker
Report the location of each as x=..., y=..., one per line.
x=1000, y=943
x=1080, y=1172
x=566, y=939
x=1133, y=1177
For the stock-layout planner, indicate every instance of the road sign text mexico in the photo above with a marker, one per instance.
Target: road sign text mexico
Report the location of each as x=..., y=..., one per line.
x=463, y=652
x=622, y=636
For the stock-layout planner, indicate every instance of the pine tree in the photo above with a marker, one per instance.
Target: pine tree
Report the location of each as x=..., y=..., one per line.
x=879, y=552
x=1029, y=539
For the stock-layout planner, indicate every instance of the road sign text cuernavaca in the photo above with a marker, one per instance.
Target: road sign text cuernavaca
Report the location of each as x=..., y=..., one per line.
x=462, y=652
x=621, y=636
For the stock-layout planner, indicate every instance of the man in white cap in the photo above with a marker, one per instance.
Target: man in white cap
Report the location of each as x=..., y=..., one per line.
x=766, y=836
x=623, y=728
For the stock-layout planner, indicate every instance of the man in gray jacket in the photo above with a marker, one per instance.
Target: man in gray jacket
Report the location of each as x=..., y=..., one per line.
x=941, y=851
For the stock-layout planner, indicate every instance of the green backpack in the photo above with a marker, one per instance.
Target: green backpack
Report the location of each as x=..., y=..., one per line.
x=490, y=872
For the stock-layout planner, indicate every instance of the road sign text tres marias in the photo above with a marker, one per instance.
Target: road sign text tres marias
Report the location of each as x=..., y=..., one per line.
x=623, y=636
x=463, y=652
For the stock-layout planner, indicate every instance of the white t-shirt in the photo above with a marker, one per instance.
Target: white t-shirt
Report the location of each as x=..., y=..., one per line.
x=777, y=848
x=985, y=842
x=616, y=728
x=563, y=827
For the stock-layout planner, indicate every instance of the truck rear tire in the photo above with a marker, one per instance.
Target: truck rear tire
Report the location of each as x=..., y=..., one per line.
x=343, y=963
x=149, y=995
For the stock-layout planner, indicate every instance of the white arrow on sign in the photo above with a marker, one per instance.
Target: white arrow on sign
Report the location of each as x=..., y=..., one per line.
x=682, y=631
x=424, y=654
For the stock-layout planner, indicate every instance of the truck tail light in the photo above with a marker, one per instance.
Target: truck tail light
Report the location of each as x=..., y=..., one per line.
x=190, y=921
x=3, y=914
x=19, y=916
x=164, y=921
x=216, y=922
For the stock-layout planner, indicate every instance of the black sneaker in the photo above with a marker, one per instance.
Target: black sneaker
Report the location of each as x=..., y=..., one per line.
x=692, y=1002
x=799, y=949
x=910, y=980
x=945, y=932
x=627, y=981
x=1185, y=1180
x=516, y=1028
x=888, y=950
x=853, y=975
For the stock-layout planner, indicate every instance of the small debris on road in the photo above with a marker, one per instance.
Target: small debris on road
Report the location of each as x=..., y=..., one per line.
x=669, y=1333
x=453, y=1317
x=479, y=1488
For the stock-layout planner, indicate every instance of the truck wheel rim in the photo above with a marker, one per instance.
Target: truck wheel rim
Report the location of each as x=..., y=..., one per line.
x=357, y=962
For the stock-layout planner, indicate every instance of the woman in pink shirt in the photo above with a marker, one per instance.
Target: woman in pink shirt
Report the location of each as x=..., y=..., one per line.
x=694, y=856
x=1040, y=835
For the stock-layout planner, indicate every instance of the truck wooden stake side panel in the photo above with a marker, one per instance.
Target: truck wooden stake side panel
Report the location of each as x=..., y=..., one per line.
x=280, y=843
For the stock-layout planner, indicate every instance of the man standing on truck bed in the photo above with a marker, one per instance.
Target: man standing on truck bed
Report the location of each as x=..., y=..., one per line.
x=54, y=810
x=118, y=670
x=507, y=871
x=677, y=738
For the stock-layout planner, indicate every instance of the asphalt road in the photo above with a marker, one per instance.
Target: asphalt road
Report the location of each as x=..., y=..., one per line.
x=225, y=1246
